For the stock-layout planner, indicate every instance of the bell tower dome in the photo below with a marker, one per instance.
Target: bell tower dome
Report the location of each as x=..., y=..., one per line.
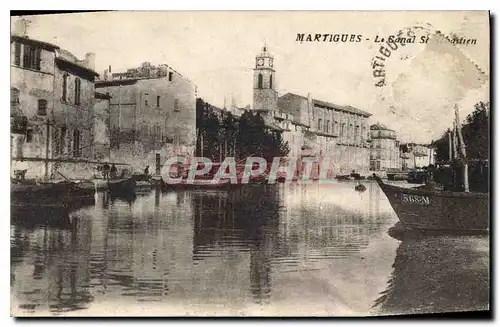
x=265, y=96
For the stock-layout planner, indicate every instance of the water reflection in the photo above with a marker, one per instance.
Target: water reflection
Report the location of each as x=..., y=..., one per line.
x=438, y=274
x=261, y=250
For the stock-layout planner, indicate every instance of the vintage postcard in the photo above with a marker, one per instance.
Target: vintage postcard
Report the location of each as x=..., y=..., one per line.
x=196, y=163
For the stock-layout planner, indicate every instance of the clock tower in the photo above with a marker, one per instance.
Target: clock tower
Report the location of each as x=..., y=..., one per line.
x=265, y=96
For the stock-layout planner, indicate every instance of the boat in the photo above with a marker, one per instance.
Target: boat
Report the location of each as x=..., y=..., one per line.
x=360, y=188
x=397, y=176
x=344, y=177
x=142, y=182
x=434, y=210
x=121, y=185
x=49, y=194
x=416, y=176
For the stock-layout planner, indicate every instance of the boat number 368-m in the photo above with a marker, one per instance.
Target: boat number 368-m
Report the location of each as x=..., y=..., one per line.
x=419, y=199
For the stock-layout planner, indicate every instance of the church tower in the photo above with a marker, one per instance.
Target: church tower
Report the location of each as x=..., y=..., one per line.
x=265, y=96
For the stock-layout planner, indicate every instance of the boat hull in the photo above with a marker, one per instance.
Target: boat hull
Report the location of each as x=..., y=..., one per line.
x=437, y=210
x=51, y=195
x=121, y=186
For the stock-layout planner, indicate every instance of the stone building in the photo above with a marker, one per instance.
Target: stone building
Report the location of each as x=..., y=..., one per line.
x=152, y=115
x=384, y=149
x=415, y=155
x=322, y=130
x=52, y=96
x=102, y=144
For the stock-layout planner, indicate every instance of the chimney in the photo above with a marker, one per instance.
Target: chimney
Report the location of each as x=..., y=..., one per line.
x=20, y=27
x=90, y=60
x=109, y=69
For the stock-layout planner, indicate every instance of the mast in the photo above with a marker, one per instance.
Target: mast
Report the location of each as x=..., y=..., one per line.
x=449, y=146
x=455, y=150
x=462, y=150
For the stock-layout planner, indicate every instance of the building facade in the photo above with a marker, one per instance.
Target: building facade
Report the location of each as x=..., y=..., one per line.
x=152, y=115
x=415, y=155
x=332, y=135
x=52, y=97
x=102, y=134
x=384, y=149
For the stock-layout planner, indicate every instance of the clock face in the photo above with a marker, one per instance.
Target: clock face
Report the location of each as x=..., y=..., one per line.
x=270, y=62
x=260, y=62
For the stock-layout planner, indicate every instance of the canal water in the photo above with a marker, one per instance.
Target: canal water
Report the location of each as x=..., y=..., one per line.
x=286, y=250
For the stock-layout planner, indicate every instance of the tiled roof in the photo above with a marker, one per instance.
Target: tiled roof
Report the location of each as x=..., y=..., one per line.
x=26, y=39
x=349, y=109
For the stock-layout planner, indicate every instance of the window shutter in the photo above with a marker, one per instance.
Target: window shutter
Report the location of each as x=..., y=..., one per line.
x=26, y=56
x=38, y=58
x=42, y=107
x=17, y=54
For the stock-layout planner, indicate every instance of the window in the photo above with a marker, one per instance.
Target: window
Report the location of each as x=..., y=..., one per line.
x=158, y=101
x=14, y=96
x=327, y=127
x=145, y=130
x=271, y=81
x=176, y=105
x=26, y=56
x=170, y=76
x=342, y=129
x=62, y=141
x=65, y=88
x=77, y=91
x=77, y=151
x=31, y=57
x=17, y=54
x=259, y=81
x=319, y=124
x=29, y=135
x=146, y=102
x=42, y=107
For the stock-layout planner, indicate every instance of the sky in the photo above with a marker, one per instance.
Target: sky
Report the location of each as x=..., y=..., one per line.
x=216, y=50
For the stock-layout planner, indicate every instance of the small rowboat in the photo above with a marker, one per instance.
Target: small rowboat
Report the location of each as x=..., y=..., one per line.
x=425, y=209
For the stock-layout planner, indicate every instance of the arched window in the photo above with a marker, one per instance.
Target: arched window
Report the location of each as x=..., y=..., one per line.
x=76, y=143
x=42, y=107
x=14, y=96
x=271, y=81
x=77, y=91
x=259, y=83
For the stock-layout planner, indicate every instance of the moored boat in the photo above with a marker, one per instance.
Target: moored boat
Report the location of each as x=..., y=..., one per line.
x=344, y=177
x=429, y=209
x=49, y=194
x=121, y=185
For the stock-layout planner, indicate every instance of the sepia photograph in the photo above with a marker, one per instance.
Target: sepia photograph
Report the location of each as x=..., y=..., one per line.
x=250, y=164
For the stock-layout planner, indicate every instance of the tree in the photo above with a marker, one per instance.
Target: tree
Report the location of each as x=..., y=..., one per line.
x=475, y=133
x=223, y=134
